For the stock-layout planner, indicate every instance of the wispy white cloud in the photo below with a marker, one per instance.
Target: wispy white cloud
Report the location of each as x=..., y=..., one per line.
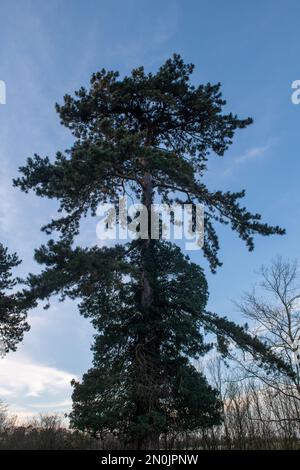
x=252, y=154
x=31, y=378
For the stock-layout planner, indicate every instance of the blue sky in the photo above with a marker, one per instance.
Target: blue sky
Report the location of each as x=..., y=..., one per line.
x=49, y=49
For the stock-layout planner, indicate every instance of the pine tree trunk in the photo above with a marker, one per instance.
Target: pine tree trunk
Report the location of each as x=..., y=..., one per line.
x=146, y=399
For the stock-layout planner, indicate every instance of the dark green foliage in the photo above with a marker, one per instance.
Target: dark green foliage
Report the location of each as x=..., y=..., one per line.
x=150, y=136
x=159, y=124
x=13, y=308
x=136, y=356
x=104, y=403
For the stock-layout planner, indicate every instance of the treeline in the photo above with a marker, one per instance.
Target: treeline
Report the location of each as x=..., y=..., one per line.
x=43, y=432
x=254, y=417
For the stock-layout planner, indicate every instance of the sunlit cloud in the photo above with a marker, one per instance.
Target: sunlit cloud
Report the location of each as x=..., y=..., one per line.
x=42, y=387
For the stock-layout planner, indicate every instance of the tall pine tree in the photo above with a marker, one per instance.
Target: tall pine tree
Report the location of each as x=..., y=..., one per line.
x=149, y=135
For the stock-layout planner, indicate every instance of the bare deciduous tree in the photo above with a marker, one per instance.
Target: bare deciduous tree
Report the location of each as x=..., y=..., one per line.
x=275, y=310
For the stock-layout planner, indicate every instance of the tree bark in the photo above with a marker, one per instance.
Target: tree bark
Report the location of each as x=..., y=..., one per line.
x=147, y=347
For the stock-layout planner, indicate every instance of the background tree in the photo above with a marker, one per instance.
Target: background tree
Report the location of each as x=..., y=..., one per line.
x=148, y=135
x=13, y=306
x=275, y=310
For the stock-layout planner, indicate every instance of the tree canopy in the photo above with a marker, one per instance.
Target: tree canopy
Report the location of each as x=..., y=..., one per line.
x=158, y=124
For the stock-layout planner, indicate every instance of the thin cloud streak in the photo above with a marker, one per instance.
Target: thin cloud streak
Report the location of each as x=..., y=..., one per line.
x=252, y=154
